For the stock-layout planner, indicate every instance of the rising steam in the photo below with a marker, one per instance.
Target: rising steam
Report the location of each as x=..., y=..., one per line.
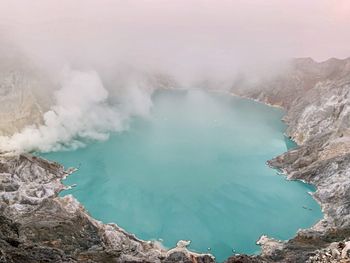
x=122, y=50
x=84, y=114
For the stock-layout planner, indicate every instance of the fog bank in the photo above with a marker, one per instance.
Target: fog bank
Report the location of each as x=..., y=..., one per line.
x=105, y=58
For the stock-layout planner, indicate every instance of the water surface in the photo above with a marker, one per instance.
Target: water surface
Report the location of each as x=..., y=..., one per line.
x=196, y=170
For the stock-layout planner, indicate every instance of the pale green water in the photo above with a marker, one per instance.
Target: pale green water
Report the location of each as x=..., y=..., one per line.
x=194, y=170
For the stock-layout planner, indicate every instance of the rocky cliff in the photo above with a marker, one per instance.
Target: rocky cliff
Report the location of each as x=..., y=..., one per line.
x=316, y=97
x=24, y=93
x=39, y=226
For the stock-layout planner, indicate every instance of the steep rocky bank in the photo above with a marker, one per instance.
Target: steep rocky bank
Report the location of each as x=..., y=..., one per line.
x=316, y=97
x=38, y=226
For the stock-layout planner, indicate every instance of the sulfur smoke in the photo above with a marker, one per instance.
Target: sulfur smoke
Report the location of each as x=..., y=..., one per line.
x=119, y=52
x=81, y=112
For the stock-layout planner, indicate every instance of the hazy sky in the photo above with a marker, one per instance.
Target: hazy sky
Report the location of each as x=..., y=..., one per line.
x=101, y=53
x=172, y=30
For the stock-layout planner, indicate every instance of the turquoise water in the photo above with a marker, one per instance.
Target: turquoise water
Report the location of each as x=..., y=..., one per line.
x=194, y=170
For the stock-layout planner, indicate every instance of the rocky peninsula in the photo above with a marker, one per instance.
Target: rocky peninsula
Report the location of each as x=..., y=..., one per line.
x=36, y=225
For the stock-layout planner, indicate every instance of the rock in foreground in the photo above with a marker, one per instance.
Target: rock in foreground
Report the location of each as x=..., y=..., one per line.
x=38, y=226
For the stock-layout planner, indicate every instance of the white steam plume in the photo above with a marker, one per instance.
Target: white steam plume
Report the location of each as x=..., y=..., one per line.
x=81, y=112
x=194, y=43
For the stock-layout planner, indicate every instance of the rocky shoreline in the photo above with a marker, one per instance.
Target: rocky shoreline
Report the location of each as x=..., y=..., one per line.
x=36, y=225
x=316, y=97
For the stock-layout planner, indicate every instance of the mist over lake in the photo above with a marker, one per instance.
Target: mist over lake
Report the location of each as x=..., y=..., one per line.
x=194, y=169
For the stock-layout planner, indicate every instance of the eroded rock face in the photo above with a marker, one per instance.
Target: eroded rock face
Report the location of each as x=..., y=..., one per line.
x=24, y=94
x=325, y=109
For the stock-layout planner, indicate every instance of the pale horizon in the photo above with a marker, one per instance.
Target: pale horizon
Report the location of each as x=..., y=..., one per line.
x=155, y=31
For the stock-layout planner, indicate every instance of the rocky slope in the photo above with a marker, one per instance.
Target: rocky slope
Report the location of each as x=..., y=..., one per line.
x=23, y=93
x=317, y=99
x=38, y=226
